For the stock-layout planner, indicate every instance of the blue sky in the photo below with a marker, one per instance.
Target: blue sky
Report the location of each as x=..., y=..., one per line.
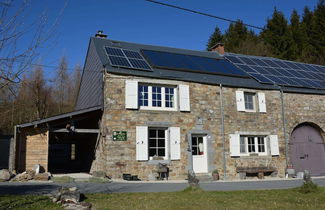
x=147, y=23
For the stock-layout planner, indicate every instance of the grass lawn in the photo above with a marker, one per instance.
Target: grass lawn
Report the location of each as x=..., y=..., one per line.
x=188, y=199
x=27, y=202
x=259, y=199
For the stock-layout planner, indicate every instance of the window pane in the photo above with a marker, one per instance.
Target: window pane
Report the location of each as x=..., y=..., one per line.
x=152, y=143
x=161, y=152
x=195, y=150
x=152, y=152
x=261, y=144
x=242, y=145
x=143, y=95
x=156, y=96
x=251, y=144
x=161, y=142
x=169, y=97
x=152, y=133
x=249, y=101
x=194, y=141
x=161, y=133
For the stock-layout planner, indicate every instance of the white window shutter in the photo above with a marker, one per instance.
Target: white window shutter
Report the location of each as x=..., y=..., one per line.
x=274, y=144
x=131, y=94
x=184, y=98
x=240, y=100
x=142, y=142
x=175, y=143
x=261, y=102
x=234, y=145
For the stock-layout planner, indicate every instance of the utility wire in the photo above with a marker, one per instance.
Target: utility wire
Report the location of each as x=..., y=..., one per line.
x=202, y=13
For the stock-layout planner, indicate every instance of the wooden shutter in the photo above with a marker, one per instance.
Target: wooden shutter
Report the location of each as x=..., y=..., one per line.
x=240, y=100
x=234, y=145
x=131, y=94
x=274, y=144
x=142, y=142
x=175, y=143
x=184, y=98
x=261, y=102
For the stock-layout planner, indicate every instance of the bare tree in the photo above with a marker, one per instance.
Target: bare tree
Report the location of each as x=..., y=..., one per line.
x=20, y=41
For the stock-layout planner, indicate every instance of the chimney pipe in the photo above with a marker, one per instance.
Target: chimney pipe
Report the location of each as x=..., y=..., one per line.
x=100, y=34
x=219, y=48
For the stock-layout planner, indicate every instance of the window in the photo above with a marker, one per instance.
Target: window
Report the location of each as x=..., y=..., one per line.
x=197, y=145
x=249, y=99
x=157, y=97
x=252, y=144
x=157, y=142
x=245, y=145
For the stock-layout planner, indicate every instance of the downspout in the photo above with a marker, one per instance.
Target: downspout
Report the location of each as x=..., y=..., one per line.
x=223, y=135
x=284, y=127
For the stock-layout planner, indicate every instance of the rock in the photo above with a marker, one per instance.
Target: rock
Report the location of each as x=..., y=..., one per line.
x=260, y=175
x=307, y=177
x=192, y=180
x=70, y=195
x=30, y=173
x=41, y=177
x=36, y=168
x=5, y=175
x=99, y=174
x=23, y=177
x=274, y=174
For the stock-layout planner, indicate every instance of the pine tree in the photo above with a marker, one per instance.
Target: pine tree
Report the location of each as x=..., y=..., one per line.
x=296, y=36
x=277, y=36
x=215, y=38
x=318, y=35
x=308, y=53
x=236, y=34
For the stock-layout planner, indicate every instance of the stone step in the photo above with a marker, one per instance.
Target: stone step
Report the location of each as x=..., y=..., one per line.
x=204, y=177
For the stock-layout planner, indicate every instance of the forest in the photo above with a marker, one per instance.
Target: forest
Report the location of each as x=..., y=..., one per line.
x=301, y=38
x=28, y=94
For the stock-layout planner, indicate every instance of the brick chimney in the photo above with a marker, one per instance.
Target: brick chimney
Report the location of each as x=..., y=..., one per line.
x=219, y=48
x=100, y=34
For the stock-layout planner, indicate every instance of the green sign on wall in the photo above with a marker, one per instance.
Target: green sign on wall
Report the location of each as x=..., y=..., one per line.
x=119, y=136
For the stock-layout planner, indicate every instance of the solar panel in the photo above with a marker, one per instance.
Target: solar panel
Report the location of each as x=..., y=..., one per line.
x=126, y=58
x=175, y=61
x=280, y=72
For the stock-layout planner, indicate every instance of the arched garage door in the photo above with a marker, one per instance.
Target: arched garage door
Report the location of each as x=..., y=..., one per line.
x=307, y=151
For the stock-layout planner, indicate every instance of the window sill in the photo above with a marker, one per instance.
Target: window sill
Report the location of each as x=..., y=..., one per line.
x=155, y=162
x=157, y=109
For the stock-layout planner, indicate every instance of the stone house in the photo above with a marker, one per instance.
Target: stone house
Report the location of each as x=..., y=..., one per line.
x=140, y=105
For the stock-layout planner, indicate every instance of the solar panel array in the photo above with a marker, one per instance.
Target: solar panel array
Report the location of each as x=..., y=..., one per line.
x=280, y=72
x=126, y=58
x=167, y=60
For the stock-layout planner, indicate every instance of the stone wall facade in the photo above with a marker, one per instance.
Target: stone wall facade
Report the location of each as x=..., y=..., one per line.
x=117, y=158
x=32, y=148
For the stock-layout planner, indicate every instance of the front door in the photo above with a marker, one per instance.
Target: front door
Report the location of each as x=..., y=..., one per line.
x=307, y=151
x=199, y=153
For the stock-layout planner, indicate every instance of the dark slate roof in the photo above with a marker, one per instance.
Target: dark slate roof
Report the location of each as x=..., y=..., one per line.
x=59, y=117
x=205, y=78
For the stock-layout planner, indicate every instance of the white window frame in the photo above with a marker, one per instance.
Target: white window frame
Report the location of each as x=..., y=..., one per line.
x=166, y=142
x=254, y=101
x=247, y=153
x=163, y=104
